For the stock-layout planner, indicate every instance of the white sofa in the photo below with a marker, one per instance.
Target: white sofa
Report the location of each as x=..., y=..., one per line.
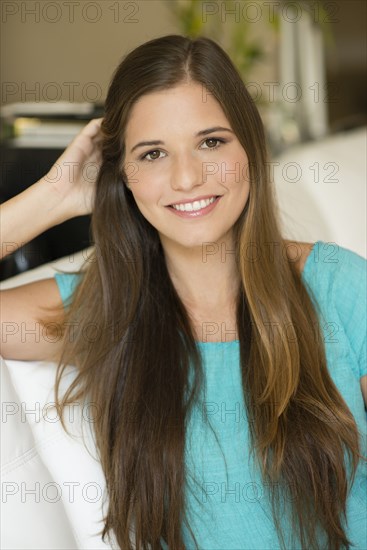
x=37, y=455
x=321, y=190
x=53, y=487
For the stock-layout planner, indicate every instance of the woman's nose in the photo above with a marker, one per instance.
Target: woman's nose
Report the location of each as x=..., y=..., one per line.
x=186, y=172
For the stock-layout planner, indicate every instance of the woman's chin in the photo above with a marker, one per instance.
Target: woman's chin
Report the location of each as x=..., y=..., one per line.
x=204, y=244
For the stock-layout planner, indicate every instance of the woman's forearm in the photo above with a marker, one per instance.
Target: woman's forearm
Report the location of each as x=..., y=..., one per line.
x=59, y=196
x=29, y=214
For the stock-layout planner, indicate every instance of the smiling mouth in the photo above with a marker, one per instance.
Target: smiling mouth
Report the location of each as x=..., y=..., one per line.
x=194, y=206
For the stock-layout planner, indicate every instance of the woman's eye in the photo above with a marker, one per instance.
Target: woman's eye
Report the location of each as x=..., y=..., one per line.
x=213, y=143
x=153, y=154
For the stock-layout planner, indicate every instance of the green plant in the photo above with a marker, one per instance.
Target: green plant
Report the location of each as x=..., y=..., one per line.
x=194, y=18
x=217, y=20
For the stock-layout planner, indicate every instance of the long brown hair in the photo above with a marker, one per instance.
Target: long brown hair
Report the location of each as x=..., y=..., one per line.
x=136, y=369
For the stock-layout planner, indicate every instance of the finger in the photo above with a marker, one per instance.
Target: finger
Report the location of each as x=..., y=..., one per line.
x=92, y=129
x=83, y=144
x=92, y=132
x=85, y=140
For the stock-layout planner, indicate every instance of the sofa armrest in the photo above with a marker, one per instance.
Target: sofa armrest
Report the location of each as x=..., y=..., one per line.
x=31, y=518
x=68, y=263
x=321, y=190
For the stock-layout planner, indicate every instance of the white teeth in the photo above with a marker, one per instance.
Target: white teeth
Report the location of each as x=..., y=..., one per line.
x=196, y=205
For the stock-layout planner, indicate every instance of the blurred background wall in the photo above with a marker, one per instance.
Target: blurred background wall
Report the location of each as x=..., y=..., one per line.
x=55, y=51
x=67, y=49
x=75, y=45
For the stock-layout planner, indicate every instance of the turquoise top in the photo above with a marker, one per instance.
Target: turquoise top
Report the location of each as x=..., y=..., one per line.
x=228, y=507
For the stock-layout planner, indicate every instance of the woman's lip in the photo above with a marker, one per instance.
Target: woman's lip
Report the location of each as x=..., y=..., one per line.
x=195, y=213
x=186, y=201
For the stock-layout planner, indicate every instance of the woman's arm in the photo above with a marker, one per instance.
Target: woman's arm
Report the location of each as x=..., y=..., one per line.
x=65, y=192
x=23, y=336
x=29, y=214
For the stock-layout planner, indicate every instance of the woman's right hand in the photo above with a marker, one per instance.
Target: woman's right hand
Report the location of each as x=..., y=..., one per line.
x=65, y=192
x=74, y=174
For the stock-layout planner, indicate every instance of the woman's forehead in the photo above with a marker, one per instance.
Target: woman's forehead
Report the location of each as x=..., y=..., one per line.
x=181, y=107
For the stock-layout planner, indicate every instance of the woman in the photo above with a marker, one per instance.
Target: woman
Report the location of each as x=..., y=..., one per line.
x=228, y=416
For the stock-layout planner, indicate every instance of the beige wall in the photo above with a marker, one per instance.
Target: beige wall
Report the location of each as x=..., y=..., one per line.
x=52, y=50
x=38, y=53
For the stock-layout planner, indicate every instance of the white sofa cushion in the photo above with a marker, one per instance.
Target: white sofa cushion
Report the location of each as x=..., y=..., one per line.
x=53, y=485
x=29, y=518
x=321, y=190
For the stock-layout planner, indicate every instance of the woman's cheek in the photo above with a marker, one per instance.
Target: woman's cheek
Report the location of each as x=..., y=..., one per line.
x=145, y=192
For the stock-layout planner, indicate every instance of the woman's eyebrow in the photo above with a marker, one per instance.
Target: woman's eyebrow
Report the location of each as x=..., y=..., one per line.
x=201, y=133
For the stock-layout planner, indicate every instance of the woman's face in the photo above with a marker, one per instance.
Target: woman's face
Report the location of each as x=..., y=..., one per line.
x=188, y=161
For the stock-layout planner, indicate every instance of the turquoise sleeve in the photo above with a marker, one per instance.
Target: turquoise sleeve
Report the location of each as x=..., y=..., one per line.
x=67, y=283
x=337, y=278
x=350, y=295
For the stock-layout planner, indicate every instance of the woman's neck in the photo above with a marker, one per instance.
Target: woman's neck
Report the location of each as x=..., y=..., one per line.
x=205, y=277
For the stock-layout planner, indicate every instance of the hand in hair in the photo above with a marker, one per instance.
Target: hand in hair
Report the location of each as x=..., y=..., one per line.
x=74, y=174
x=65, y=192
